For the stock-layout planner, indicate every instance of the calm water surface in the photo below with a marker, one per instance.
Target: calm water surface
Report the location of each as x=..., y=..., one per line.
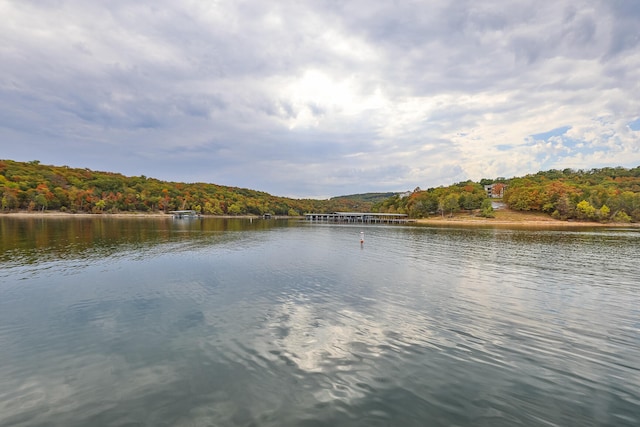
x=156, y=322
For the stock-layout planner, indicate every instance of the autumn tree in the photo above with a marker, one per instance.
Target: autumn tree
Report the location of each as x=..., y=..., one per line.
x=585, y=211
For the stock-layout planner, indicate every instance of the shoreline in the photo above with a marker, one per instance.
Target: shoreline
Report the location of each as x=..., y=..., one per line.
x=157, y=215
x=524, y=223
x=503, y=217
x=506, y=217
x=58, y=214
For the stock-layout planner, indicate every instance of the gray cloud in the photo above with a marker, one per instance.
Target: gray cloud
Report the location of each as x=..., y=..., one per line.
x=319, y=99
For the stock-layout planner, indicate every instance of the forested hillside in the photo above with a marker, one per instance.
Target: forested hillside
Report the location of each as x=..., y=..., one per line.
x=598, y=194
x=442, y=200
x=607, y=194
x=36, y=187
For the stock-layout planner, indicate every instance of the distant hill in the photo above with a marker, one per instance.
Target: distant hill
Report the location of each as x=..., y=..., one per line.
x=366, y=197
x=33, y=186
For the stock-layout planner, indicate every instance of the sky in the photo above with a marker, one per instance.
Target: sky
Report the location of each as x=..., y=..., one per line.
x=321, y=98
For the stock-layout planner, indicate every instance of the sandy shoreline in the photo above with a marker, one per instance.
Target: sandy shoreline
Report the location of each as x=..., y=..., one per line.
x=519, y=219
x=523, y=223
x=503, y=218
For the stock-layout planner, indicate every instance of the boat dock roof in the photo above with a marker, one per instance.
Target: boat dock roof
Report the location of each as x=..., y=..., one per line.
x=362, y=217
x=184, y=213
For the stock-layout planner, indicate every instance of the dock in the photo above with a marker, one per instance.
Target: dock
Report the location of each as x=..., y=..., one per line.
x=359, y=217
x=185, y=214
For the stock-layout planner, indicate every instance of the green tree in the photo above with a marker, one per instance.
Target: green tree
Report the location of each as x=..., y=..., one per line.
x=486, y=209
x=234, y=209
x=450, y=203
x=564, y=208
x=100, y=205
x=41, y=202
x=9, y=200
x=621, y=216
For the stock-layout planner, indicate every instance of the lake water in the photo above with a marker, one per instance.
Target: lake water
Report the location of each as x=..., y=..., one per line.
x=160, y=322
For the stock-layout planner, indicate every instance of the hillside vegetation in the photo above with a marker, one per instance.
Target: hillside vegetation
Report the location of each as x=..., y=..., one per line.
x=366, y=197
x=607, y=194
x=598, y=194
x=442, y=200
x=35, y=187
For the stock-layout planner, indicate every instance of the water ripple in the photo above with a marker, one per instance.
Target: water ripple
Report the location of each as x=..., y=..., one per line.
x=301, y=325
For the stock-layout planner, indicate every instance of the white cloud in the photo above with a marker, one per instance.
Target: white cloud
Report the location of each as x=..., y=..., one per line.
x=285, y=97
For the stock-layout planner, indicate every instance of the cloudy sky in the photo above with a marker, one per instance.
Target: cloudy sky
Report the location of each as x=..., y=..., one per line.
x=321, y=98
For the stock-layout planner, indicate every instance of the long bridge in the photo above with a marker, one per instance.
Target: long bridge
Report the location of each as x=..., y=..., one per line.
x=359, y=217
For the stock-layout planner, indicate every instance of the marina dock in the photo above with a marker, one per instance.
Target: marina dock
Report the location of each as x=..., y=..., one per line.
x=184, y=214
x=358, y=217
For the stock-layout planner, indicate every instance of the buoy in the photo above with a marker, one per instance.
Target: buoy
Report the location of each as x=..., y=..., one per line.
x=361, y=237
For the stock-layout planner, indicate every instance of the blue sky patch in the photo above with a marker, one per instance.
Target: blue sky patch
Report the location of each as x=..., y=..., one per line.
x=543, y=136
x=635, y=125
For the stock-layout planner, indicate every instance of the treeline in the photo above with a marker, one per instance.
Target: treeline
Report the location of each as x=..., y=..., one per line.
x=467, y=196
x=32, y=186
x=367, y=197
x=607, y=194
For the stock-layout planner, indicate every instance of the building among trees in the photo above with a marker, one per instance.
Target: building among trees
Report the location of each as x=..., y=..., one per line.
x=495, y=190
